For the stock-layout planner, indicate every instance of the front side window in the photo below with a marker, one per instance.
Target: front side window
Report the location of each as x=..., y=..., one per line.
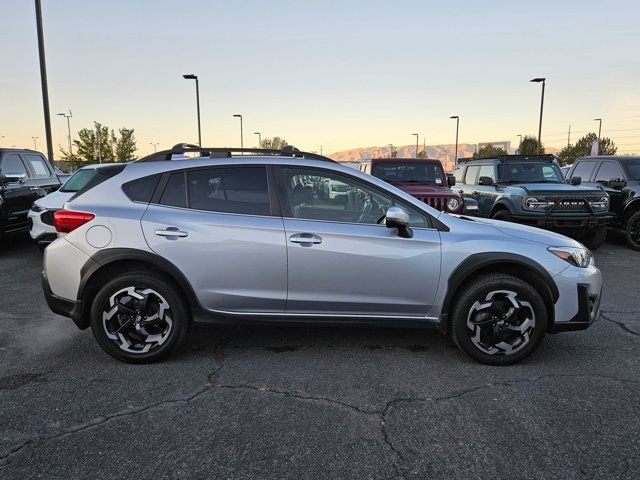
x=38, y=165
x=609, y=171
x=241, y=190
x=584, y=170
x=321, y=195
x=458, y=173
x=633, y=168
x=472, y=174
x=487, y=171
x=409, y=172
x=12, y=165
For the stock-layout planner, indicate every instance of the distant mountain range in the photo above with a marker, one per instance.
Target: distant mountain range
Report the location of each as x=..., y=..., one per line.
x=444, y=153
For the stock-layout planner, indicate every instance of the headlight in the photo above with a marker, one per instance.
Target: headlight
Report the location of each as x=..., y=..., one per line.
x=602, y=203
x=532, y=203
x=453, y=204
x=37, y=208
x=579, y=257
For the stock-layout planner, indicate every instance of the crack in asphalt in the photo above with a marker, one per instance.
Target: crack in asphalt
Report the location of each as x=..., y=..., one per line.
x=620, y=324
x=381, y=413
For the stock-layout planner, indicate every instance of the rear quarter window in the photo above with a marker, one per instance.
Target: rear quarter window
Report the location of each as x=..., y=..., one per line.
x=142, y=189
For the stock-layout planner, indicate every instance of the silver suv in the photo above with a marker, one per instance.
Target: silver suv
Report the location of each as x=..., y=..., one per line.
x=154, y=245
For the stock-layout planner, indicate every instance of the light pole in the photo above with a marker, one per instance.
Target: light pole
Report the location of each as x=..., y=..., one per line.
x=416, y=135
x=191, y=76
x=599, y=120
x=519, y=143
x=390, y=145
x=259, y=139
x=35, y=145
x=455, y=161
x=241, y=139
x=543, y=81
x=155, y=146
x=68, y=127
x=43, y=81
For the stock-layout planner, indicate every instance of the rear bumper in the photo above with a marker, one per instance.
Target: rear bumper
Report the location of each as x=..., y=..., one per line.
x=63, y=306
x=564, y=222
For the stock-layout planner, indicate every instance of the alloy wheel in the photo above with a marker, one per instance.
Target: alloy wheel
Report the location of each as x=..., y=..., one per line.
x=501, y=323
x=137, y=320
x=634, y=231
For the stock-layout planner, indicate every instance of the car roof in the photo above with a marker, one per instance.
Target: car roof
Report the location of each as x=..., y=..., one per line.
x=406, y=160
x=17, y=150
x=620, y=158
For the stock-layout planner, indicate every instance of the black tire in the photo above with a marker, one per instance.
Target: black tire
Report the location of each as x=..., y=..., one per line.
x=501, y=214
x=164, y=302
x=470, y=305
x=595, y=238
x=632, y=231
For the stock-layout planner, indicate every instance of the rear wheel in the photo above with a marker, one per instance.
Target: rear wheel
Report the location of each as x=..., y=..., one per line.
x=139, y=317
x=499, y=319
x=502, y=214
x=595, y=238
x=632, y=231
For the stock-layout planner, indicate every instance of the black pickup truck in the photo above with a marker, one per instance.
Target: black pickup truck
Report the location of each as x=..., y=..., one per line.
x=25, y=176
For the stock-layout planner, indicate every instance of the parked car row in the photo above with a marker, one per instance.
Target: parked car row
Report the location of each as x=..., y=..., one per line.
x=148, y=247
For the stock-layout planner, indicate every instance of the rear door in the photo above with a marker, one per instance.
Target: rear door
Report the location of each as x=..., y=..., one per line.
x=611, y=171
x=342, y=260
x=18, y=196
x=43, y=175
x=219, y=226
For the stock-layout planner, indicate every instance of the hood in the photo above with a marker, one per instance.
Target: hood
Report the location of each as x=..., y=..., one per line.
x=422, y=190
x=55, y=200
x=557, y=188
x=532, y=234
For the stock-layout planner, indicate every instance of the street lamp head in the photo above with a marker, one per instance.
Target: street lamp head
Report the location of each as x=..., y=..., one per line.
x=256, y=133
x=190, y=76
x=63, y=114
x=538, y=80
x=454, y=116
x=414, y=134
x=597, y=119
x=237, y=115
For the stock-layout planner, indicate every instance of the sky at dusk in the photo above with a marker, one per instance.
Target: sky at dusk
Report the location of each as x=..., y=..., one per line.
x=341, y=74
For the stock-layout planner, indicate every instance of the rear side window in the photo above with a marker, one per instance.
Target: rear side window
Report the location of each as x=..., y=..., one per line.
x=141, y=190
x=487, y=171
x=12, y=165
x=38, y=165
x=174, y=194
x=240, y=190
x=609, y=171
x=458, y=173
x=584, y=170
x=471, y=175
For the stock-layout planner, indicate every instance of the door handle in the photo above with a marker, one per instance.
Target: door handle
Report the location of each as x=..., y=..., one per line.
x=171, y=232
x=305, y=239
x=34, y=188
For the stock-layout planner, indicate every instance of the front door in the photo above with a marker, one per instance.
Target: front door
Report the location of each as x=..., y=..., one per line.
x=215, y=225
x=342, y=260
x=17, y=196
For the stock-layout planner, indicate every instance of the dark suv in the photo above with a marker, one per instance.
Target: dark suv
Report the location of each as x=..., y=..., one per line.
x=532, y=190
x=422, y=178
x=25, y=176
x=620, y=177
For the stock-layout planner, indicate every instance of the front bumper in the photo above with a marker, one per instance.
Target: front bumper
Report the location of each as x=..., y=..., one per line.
x=564, y=222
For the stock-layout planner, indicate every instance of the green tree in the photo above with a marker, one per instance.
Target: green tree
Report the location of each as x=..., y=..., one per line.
x=422, y=154
x=274, y=143
x=489, y=151
x=393, y=153
x=529, y=146
x=124, y=145
x=582, y=148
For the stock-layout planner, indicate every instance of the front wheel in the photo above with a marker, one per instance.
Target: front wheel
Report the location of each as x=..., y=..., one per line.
x=502, y=214
x=632, y=231
x=595, y=238
x=499, y=319
x=139, y=317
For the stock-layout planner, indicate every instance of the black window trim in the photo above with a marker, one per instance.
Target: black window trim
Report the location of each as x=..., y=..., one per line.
x=274, y=206
x=434, y=224
x=27, y=164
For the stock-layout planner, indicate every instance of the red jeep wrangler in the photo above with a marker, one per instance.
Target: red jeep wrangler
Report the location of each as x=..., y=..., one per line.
x=422, y=178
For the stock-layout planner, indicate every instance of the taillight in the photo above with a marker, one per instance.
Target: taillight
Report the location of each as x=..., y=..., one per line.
x=67, y=221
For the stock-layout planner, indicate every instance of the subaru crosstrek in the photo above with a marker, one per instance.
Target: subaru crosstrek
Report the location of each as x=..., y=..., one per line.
x=531, y=189
x=154, y=245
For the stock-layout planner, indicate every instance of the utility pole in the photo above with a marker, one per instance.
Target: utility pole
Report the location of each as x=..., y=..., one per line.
x=43, y=81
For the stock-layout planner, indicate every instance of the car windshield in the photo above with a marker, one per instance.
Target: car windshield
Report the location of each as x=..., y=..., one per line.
x=633, y=168
x=78, y=180
x=529, y=172
x=408, y=172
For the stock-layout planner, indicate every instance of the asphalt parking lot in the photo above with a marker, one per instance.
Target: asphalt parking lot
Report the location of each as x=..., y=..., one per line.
x=274, y=402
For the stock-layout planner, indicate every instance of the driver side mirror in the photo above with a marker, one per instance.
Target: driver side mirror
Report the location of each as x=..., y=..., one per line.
x=575, y=180
x=451, y=180
x=12, y=178
x=487, y=181
x=616, y=183
x=397, y=217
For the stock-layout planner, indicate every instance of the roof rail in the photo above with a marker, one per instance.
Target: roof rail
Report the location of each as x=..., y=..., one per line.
x=227, y=152
x=506, y=158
